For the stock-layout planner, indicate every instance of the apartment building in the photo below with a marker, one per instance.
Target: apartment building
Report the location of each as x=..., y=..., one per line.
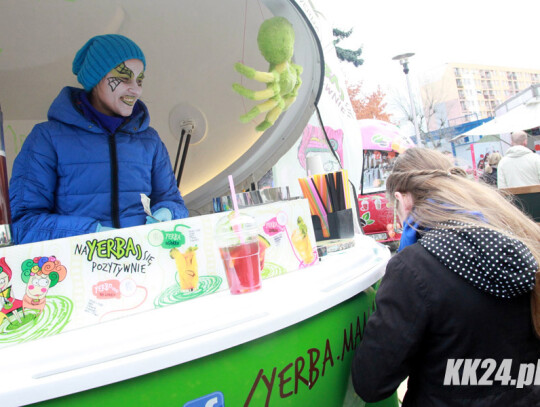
x=457, y=93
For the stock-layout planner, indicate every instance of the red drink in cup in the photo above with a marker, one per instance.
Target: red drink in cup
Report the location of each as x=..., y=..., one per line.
x=242, y=267
x=238, y=242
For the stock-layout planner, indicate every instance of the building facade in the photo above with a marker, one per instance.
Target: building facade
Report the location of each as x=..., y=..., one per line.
x=459, y=93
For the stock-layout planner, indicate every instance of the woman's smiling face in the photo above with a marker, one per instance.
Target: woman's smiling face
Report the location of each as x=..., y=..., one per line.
x=117, y=92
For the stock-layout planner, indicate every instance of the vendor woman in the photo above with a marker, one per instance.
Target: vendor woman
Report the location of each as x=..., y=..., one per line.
x=84, y=170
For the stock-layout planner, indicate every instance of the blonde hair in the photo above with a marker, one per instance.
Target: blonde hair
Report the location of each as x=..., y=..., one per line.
x=492, y=161
x=441, y=193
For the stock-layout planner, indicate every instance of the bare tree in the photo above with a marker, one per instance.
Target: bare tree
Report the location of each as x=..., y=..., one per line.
x=430, y=116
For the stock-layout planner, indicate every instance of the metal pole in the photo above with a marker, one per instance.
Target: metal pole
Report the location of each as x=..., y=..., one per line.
x=404, y=60
x=413, y=107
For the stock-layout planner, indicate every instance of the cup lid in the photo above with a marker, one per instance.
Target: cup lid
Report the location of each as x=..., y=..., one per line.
x=234, y=222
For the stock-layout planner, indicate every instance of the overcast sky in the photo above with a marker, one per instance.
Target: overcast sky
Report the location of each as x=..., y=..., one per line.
x=491, y=32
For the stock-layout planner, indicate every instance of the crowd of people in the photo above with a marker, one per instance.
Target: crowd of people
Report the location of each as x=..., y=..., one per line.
x=520, y=166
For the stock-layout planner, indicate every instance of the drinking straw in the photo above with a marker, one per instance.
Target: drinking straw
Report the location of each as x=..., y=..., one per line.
x=316, y=207
x=305, y=192
x=235, y=227
x=317, y=196
x=346, y=188
x=233, y=194
x=321, y=188
x=331, y=186
x=313, y=185
x=321, y=209
x=340, y=193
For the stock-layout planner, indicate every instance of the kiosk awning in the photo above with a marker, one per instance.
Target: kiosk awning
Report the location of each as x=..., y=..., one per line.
x=523, y=117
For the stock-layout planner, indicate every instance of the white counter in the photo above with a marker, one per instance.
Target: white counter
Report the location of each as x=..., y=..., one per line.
x=135, y=345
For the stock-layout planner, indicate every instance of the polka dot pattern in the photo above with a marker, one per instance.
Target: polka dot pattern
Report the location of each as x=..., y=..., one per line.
x=490, y=261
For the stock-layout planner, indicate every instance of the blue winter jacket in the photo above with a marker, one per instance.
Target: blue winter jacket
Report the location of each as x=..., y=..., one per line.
x=71, y=174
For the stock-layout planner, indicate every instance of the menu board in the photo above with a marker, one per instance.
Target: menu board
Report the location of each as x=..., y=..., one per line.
x=62, y=284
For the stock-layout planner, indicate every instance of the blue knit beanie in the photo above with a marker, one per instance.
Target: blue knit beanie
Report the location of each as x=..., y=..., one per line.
x=100, y=55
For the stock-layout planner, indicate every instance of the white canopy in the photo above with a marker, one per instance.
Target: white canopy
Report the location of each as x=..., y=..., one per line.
x=523, y=117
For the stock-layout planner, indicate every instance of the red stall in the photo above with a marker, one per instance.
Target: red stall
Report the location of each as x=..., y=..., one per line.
x=382, y=142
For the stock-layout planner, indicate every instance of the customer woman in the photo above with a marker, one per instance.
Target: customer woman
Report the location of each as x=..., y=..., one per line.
x=490, y=170
x=457, y=311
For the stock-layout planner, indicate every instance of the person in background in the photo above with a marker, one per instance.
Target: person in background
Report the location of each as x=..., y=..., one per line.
x=84, y=170
x=464, y=291
x=480, y=167
x=520, y=166
x=490, y=170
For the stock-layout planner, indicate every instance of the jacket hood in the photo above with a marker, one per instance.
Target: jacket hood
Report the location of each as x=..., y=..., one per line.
x=490, y=261
x=64, y=109
x=517, y=151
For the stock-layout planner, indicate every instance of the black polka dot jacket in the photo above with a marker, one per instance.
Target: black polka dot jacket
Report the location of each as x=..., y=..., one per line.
x=457, y=297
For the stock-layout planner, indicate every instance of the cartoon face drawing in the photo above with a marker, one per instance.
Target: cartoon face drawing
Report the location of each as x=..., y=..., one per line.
x=40, y=274
x=38, y=286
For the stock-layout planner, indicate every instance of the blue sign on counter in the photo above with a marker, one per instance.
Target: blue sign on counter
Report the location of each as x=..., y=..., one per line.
x=215, y=399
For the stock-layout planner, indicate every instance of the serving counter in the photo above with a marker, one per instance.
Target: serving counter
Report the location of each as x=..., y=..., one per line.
x=288, y=344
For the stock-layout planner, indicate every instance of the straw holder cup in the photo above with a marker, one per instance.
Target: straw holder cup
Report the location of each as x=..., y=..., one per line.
x=340, y=225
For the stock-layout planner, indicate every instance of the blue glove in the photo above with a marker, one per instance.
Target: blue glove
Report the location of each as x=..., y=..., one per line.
x=161, y=215
x=409, y=235
x=101, y=228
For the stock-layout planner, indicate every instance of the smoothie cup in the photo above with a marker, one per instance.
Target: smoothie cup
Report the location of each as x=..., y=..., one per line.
x=238, y=243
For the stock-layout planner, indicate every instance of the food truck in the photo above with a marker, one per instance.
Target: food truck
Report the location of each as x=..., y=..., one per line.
x=382, y=142
x=146, y=315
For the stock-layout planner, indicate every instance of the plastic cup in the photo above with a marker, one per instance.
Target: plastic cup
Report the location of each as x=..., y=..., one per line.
x=237, y=238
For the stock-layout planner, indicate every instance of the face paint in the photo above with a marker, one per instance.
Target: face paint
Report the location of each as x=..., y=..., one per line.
x=119, y=90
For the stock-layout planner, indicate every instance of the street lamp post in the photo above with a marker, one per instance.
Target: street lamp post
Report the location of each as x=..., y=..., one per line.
x=404, y=61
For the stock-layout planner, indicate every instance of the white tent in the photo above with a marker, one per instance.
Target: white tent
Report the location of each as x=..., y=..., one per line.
x=523, y=117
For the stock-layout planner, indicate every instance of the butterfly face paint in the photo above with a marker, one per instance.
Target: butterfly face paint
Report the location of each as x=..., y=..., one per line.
x=117, y=92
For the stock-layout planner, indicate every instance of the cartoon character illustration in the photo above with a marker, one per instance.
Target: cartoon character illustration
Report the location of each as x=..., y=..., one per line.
x=10, y=305
x=314, y=142
x=300, y=241
x=276, y=43
x=40, y=274
x=186, y=265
